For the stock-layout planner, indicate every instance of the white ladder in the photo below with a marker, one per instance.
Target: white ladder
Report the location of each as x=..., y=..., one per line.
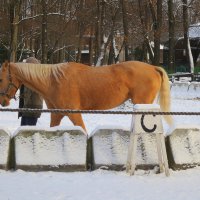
x=147, y=124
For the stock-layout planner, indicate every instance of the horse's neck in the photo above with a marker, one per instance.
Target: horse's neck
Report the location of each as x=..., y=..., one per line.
x=34, y=85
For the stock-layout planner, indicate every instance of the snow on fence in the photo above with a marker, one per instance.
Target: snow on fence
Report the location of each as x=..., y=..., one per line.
x=194, y=90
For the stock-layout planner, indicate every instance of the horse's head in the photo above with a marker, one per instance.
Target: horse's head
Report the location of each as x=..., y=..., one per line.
x=8, y=84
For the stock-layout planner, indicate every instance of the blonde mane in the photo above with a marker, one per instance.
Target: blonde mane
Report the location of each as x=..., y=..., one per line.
x=41, y=72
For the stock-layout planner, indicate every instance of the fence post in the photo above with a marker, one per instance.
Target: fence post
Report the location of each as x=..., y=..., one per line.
x=147, y=124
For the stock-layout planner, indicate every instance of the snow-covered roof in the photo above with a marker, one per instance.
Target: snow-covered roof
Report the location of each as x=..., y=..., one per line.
x=83, y=51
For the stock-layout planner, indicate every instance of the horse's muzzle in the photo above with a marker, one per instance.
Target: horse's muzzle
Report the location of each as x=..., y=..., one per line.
x=4, y=103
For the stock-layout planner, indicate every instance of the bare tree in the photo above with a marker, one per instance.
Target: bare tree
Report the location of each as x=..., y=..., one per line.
x=44, y=31
x=144, y=19
x=189, y=57
x=99, y=31
x=55, y=29
x=171, y=22
x=15, y=9
x=156, y=12
x=125, y=28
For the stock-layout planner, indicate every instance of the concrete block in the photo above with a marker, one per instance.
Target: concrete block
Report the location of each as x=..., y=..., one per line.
x=180, y=89
x=194, y=90
x=183, y=147
x=52, y=149
x=110, y=149
x=4, y=149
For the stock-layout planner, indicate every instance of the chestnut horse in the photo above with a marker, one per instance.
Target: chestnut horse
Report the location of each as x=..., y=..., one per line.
x=77, y=86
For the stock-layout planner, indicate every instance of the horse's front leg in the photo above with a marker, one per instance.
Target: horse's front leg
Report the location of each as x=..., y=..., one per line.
x=77, y=120
x=55, y=119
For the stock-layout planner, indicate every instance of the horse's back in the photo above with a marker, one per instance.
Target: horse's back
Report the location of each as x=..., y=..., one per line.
x=123, y=67
x=108, y=86
x=130, y=73
x=136, y=72
x=143, y=80
x=76, y=66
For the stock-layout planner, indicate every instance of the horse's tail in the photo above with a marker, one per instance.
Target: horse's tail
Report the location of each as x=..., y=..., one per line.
x=164, y=97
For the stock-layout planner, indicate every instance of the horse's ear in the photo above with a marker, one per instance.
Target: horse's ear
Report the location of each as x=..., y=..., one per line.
x=5, y=65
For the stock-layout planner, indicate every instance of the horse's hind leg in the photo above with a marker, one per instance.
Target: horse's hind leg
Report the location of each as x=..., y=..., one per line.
x=55, y=119
x=77, y=120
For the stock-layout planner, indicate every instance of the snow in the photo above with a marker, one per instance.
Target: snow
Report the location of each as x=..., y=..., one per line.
x=102, y=184
x=99, y=185
x=146, y=106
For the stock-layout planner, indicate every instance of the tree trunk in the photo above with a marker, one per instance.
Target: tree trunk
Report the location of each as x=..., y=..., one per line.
x=157, y=24
x=189, y=57
x=171, y=35
x=144, y=17
x=15, y=9
x=91, y=47
x=158, y=33
x=80, y=39
x=44, y=32
x=80, y=33
x=101, y=58
x=99, y=32
x=125, y=27
x=111, y=56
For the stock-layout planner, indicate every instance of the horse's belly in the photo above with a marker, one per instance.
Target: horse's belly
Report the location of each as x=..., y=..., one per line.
x=103, y=101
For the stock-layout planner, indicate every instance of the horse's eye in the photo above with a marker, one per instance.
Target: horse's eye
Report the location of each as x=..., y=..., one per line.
x=1, y=80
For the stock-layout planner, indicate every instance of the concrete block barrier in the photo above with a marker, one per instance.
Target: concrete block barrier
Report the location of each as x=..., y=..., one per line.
x=110, y=149
x=194, y=90
x=180, y=89
x=52, y=149
x=183, y=147
x=4, y=149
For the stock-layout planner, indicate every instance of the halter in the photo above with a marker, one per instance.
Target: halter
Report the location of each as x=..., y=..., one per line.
x=10, y=85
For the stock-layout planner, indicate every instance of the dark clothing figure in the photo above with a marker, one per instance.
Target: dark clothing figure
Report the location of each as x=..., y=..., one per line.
x=31, y=121
x=30, y=99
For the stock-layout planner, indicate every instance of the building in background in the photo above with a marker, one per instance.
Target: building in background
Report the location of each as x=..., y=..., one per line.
x=181, y=64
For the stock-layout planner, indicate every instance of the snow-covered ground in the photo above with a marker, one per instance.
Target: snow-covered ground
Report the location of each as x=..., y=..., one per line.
x=102, y=184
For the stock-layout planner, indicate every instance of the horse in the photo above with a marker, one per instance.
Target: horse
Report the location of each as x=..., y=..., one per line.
x=77, y=86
